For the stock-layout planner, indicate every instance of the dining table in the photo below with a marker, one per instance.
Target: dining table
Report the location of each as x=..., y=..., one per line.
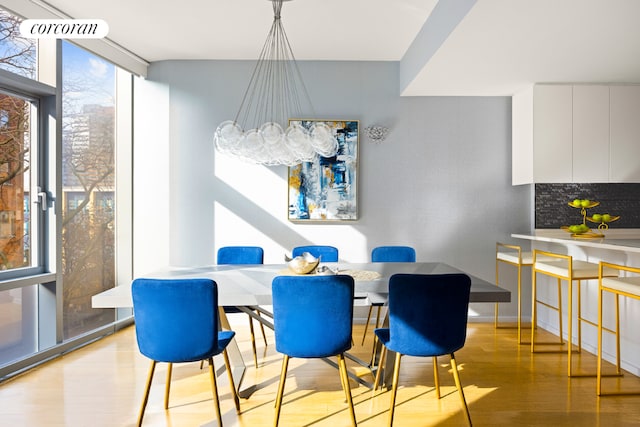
x=248, y=287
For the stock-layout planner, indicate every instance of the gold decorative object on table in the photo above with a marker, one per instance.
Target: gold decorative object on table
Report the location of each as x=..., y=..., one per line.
x=307, y=264
x=582, y=230
x=303, y=264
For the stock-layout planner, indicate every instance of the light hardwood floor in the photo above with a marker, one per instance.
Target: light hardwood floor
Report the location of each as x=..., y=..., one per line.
x=102, y=385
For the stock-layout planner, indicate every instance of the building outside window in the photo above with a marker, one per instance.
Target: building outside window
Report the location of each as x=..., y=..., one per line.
x=46, y=287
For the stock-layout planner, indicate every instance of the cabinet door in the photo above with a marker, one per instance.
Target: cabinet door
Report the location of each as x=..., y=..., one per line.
x=625, y=134
x=552, y=133
x=590, y=133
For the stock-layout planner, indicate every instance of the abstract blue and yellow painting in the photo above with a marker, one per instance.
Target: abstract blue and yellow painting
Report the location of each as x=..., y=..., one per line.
x=326, y=189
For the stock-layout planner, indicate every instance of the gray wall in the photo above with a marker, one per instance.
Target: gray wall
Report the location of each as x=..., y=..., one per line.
x=440, y=182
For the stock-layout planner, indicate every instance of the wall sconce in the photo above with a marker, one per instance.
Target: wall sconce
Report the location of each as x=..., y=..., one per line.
x=376, y=133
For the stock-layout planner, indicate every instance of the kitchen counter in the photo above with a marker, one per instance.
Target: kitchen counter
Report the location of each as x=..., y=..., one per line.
x=627, y=240
x=619, y=246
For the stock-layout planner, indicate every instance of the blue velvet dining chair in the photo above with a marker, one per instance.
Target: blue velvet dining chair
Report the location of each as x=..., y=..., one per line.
x=312, y=319
x=236, y=255
x=328, y=253
x=427, y=318
x=393, y=254
x=176, y=321
x=387, y=254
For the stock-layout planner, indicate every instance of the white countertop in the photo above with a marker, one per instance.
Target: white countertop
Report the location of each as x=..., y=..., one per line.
x=627, y=240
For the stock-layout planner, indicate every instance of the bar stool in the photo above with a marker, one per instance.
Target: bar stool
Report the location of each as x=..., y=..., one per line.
x=512, y=255
x=563, y=267
x=628, y=286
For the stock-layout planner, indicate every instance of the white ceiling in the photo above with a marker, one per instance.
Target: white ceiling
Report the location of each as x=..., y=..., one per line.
x=498, y=48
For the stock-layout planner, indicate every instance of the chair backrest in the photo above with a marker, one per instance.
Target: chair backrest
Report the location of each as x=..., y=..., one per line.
x=176, y=320
x=428, y=313
x=328, y=253
x=240, y=255
x=393, y=254
x=313, y=315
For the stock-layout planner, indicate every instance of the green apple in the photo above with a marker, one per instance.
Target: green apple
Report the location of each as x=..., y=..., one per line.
x=584, y=203
x=606, y=218
x=573, y=228
x=577, y=202
x=596, y=218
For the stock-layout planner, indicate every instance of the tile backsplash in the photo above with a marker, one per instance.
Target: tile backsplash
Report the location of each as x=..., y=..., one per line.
x=552, y=209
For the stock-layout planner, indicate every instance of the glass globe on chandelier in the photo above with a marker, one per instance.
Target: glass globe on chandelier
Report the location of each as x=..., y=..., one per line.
x=272, y=97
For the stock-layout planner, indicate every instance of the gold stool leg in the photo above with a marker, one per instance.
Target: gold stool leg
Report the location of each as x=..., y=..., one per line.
x=495, y=320
x=618, y=365
x=599, y=365
x=560, y=309
x=569, y=325
x=534, y=306
x=519, y=303
x=579, y=316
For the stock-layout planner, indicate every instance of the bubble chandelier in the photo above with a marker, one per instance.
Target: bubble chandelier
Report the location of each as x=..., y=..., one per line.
x=272, y=97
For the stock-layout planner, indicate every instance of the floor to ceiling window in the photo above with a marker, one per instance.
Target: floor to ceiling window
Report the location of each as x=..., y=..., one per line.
x=58, y=194
x=88, y=185
x=18, y=171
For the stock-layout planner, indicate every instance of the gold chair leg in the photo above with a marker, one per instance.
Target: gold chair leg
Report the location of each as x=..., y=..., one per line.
x=378, y=316
x=264, y=336
x=375, y=338
x=436, y=377
x=366, y=324
x=283, y=377
x=234, y=392
x=394, y=388
x=374, y=350
x=214, y=389
x=383, y=357
x=145, y=399
x=167, y=386
x=253, y=343
x=347, y=388
x=456, y=377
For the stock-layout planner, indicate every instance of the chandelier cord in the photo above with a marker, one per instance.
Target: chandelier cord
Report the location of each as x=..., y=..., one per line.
x=275, y=80
x=274, y=97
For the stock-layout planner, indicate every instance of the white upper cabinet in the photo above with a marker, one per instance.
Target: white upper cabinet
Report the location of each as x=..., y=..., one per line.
x=576, y=133
x=590, y=133
x=625, y=134
x=552, y=134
